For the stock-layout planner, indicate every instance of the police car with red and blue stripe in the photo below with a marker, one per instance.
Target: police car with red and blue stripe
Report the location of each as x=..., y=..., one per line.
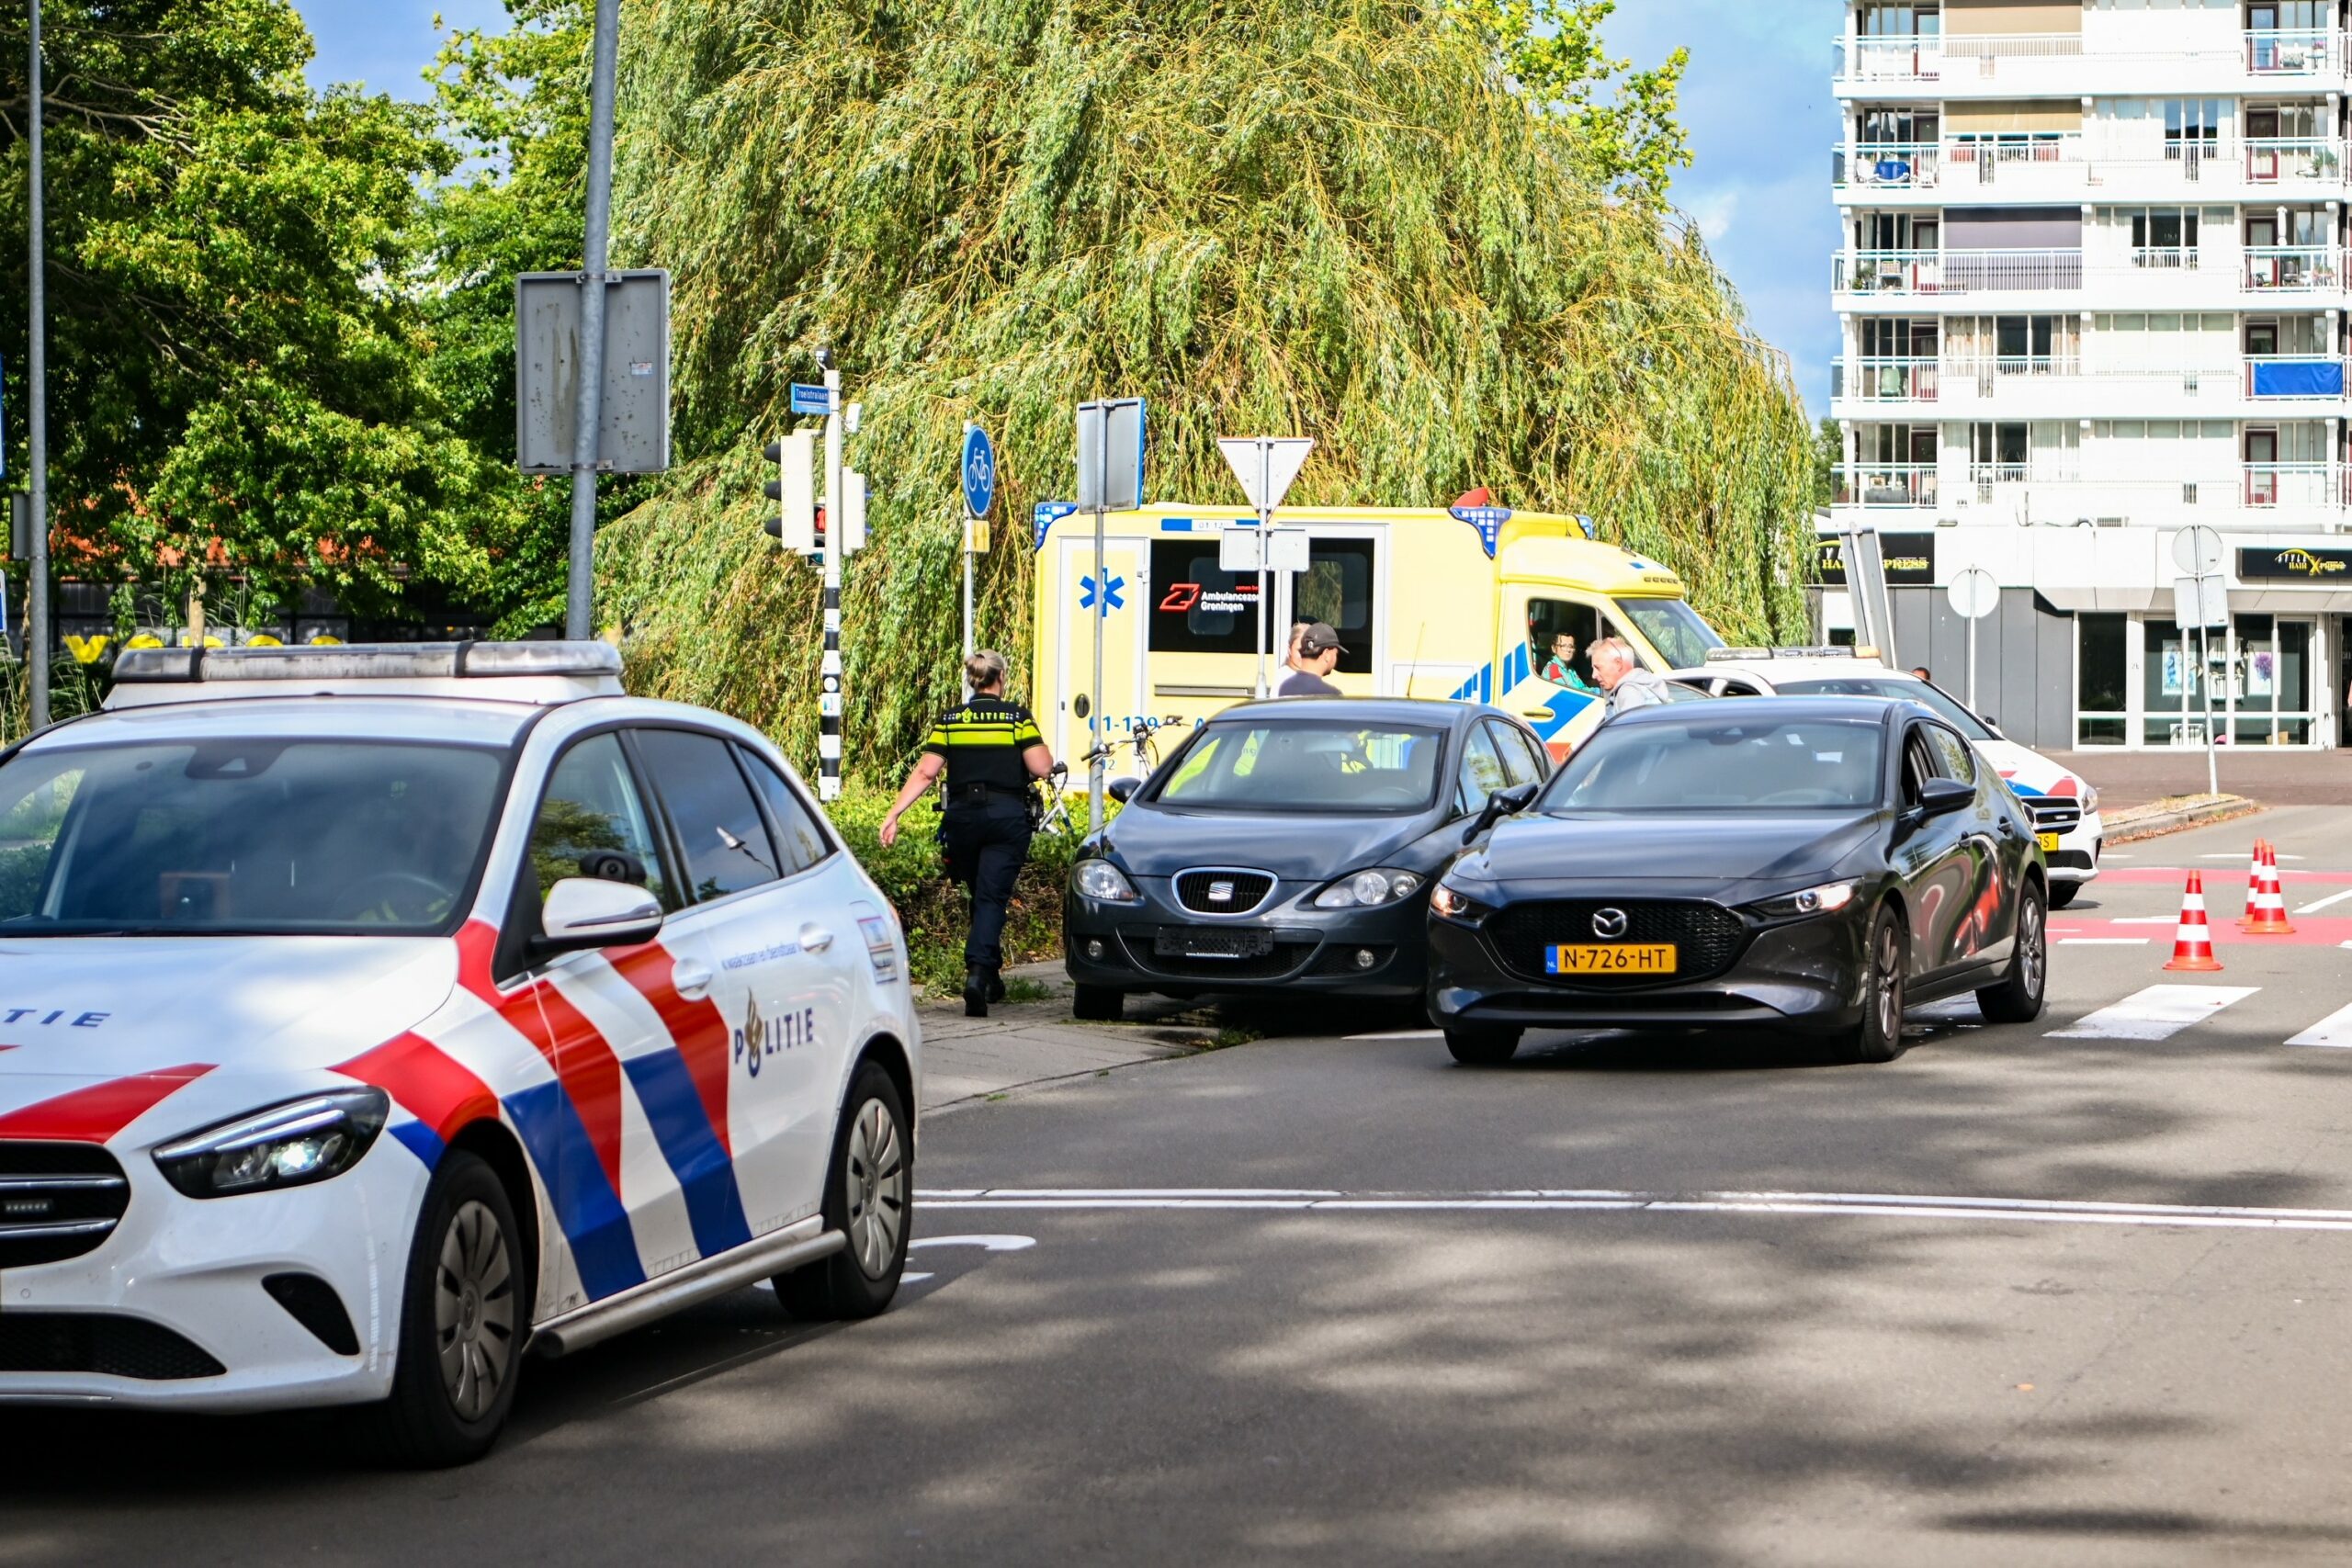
x=371, y=1017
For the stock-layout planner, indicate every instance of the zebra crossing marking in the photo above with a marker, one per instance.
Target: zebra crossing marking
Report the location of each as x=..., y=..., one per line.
x=2155, y=1013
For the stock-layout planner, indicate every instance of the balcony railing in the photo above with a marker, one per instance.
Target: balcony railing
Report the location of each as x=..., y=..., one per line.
x=2293, y=160
x=2266, y=270
x=2044, y=159
x=1887, y=165
x=1887, y=484
x=2272, y=53
x=2290, y=377
x=2243, y=487
x=2287, y=269
x=1956, y=272
x=1875, y=378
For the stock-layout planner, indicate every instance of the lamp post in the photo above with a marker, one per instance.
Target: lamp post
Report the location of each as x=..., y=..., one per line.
x=37, y=420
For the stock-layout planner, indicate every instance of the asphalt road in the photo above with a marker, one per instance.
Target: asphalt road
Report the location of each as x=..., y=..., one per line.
x=1296, y=1299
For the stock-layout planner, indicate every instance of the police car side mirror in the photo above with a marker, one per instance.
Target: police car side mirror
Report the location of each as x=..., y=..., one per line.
x=1122, y=790
x=582, y=912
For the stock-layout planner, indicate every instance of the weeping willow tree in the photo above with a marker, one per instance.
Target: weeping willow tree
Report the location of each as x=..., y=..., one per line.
x=1329, y=217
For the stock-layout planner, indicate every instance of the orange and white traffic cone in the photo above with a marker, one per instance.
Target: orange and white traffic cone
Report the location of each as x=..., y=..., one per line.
x=2192, y=943
x=2252, y=886
x=2269, y=915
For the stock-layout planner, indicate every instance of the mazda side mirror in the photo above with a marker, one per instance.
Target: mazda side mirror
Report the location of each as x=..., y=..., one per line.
x=1123, y=789
x=1941, y=797
x=582, y=912
x=1500, y=804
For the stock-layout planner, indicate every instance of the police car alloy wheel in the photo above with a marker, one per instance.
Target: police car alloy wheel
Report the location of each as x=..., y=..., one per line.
x=460, y=1328
x=869, y=1199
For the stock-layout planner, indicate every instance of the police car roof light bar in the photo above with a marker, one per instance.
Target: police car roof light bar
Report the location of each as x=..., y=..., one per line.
x=364, y=661
x=1741, y=655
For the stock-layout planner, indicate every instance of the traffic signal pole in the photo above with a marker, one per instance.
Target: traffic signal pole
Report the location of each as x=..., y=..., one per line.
x=836, y=541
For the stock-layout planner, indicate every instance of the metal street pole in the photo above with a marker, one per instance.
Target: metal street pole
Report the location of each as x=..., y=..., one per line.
x=587, y=427
x=969, y=520
x=829, y=702
x=1971, y=663
x=1265, y=542
x=37, y=368
x=2205, y=685
x=1096, y=724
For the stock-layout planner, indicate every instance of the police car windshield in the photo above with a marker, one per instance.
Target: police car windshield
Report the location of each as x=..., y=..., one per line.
x=1322, y=766
x=1719, y=763
x=1914, y=691
x=243, y=837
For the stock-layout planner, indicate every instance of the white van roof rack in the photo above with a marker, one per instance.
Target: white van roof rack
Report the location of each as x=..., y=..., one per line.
x=510, y=671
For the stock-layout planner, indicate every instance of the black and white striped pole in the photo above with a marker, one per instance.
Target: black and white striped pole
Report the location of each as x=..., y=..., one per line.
x=835, y=544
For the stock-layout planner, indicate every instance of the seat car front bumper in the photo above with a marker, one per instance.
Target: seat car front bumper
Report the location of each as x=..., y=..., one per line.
x=1314, y=950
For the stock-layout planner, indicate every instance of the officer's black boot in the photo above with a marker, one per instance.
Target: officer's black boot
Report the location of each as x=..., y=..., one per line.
x=996, y=983
x=976, y=993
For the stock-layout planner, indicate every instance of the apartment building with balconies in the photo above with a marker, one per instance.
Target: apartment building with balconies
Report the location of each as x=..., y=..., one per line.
x=2093, y=291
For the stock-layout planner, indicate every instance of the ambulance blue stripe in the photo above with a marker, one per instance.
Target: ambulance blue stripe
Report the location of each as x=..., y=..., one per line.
x=586, y=1208
x=421, y=1141
x=1563, y=707
x=680, y=1125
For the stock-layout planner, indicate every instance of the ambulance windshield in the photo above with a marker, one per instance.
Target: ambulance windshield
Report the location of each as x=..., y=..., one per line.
x=246, y=836
x=1331, y=767
x=1674, y=628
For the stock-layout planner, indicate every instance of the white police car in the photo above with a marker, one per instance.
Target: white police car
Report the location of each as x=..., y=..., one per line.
x=2063, y=805
x=372, y=1016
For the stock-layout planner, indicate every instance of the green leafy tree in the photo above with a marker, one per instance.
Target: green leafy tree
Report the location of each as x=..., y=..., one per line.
x=238, y=382
x=1329, y=217
x=1617, y=123
x=1828, y=452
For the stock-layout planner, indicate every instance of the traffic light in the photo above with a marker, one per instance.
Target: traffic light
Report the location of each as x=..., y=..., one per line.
x=793, y=490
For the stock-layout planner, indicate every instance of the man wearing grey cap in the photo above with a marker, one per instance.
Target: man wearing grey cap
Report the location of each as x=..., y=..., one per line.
x=1319, y=655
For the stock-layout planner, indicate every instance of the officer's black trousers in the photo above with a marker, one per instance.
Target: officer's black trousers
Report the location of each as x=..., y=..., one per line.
x=986, y=846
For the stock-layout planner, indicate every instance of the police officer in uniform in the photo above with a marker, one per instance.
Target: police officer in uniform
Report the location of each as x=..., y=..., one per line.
x=989, y=749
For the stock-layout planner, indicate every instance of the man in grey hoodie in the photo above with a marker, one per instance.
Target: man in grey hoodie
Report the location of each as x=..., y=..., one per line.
x=1620, y=674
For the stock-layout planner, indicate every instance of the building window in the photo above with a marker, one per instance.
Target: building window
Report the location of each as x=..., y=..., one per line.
x=2101, y=690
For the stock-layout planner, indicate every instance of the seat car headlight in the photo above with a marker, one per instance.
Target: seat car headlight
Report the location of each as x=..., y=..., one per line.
x=1105, y=882
x=1366, y=888
x=303, y=1141
x=1821, y=900
x=1451, y=903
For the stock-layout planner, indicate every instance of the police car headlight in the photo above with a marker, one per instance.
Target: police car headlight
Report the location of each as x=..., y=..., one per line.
x=1102, y=881
x=1366, y=888
x=1821, y=900
x=292, y=1145
x=2090, y=798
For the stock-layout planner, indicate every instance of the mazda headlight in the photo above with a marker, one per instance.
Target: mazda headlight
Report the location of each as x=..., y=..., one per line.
x=1821, y=900
x=1104, y=883
x=292, y=1145
x=1366, y=889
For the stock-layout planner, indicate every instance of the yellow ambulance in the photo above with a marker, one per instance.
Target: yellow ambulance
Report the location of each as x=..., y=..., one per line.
x=1464, y=603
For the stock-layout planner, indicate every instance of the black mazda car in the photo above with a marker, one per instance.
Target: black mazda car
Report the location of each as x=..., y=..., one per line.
x=1818, y=864
x=1290, y=844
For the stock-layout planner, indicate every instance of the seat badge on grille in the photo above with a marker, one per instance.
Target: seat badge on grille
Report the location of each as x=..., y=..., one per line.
x=1609, y=924
x=1220, y=892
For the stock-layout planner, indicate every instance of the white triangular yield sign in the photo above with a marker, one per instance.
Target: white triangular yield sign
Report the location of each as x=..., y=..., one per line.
x=1265, y=465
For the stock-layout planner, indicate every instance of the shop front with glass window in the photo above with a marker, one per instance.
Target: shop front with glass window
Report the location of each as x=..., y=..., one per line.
x=2143, y=682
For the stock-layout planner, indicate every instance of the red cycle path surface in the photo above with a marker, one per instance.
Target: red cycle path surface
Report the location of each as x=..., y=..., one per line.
x=2310, y=931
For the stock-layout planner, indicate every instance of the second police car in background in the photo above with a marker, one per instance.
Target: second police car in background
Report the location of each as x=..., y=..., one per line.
x=376, y=1015
x=2064, y=806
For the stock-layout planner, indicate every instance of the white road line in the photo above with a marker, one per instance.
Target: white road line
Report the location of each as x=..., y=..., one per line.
x=2323, y=903
x=2159, y=1012
x=2335, y=1029
x=2146, y=919
x=2105, y=940
x=2242, y=855
x=1605, y=1200
x=1401, y=1034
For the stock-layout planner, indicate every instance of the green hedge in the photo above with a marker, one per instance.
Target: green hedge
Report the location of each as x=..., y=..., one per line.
x=933, y=909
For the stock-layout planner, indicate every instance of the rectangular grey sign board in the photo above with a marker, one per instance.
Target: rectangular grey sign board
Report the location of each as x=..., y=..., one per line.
x=1110, y=455
x=635, y=427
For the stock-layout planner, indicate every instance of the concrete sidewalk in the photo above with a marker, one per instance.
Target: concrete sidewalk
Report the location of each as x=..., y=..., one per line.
x=2275, y=775
x=1023, y=1044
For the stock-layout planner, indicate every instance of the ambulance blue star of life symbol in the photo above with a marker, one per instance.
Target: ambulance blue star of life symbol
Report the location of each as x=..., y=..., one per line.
x=1110, y=599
